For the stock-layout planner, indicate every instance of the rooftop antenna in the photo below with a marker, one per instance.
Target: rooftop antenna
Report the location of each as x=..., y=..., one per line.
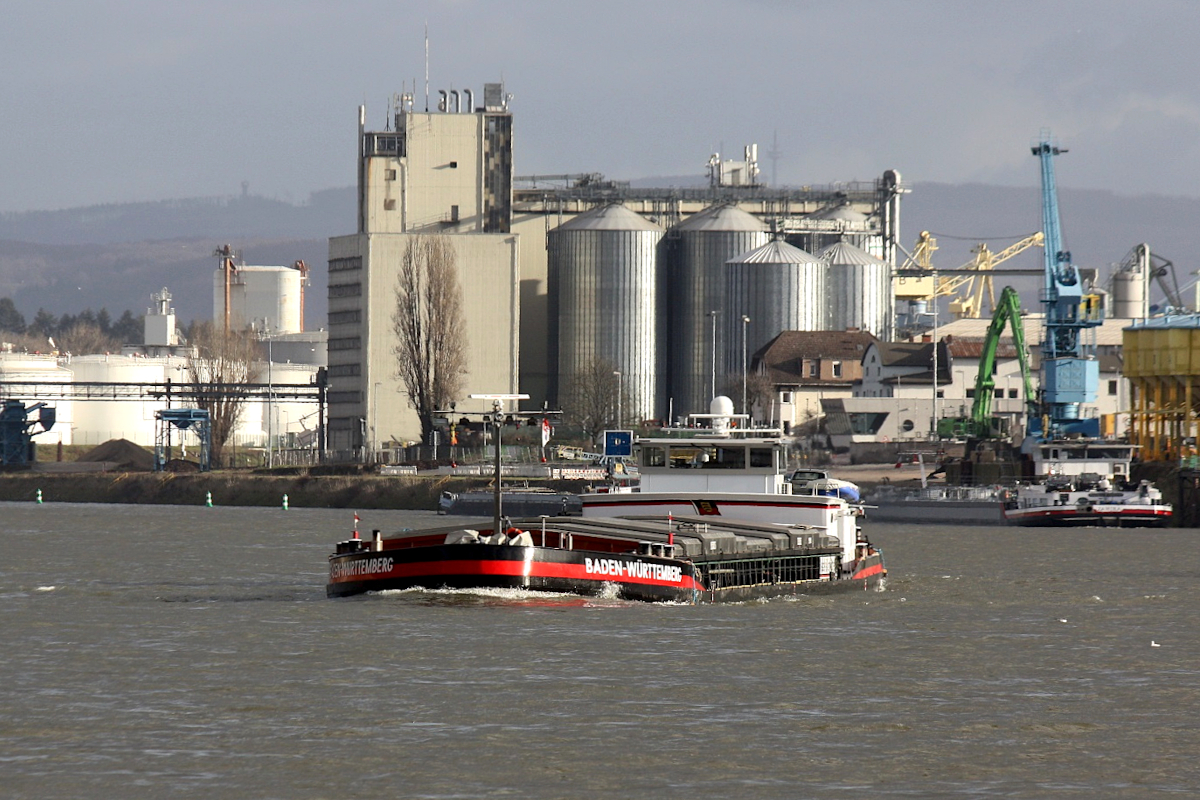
x=426, y=67
x=774, y=155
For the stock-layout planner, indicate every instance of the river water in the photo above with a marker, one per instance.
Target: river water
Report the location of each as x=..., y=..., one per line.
x=155, y=651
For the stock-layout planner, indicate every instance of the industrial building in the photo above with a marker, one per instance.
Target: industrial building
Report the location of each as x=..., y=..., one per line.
x=1162, y=362
x=103, y=396
x=559, y=271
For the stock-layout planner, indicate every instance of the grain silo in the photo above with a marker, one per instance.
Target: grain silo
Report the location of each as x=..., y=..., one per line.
x=696, y=289
x=1130, y=284
x=841, y=223
x=605, y=285
x=859, y=290
x=780, y=288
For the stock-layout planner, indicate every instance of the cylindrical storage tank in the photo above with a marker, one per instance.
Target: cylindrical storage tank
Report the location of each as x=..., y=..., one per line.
x=697, y=287
x=1128, y=295
x=265, y=298
x=45, y=371
x=605, y=287
x=780, y=288
x=97, y=421
x=858, y=290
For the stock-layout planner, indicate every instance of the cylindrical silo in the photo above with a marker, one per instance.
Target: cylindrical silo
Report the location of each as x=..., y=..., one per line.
x=780, y=288
x=1129, y=285
x=842, y=223
x=859, y=290
x=1128, y=295
x=606, y=292
x=266, y=298
x=97, y=421
x=697, y=288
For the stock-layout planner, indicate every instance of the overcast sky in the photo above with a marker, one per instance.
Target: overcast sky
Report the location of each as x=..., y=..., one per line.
x=140, y=100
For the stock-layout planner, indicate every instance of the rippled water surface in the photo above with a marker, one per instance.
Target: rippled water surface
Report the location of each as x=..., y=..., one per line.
x=154, y=651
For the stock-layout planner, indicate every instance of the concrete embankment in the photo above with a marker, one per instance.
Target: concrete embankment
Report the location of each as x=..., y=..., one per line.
x=242, y=489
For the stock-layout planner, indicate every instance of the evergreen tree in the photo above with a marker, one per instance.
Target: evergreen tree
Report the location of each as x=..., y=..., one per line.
x=128, y=329
x=44, y=324
x=11, y=320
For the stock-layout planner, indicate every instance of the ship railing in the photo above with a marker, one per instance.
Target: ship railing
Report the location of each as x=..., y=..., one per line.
x=769, y=570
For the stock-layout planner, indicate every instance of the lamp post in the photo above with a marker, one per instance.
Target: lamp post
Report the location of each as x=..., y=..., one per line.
x=933, y=423
x=713, y=387
x=374, y=420
x=746, y=411
x=270, y=404
x=620, y=394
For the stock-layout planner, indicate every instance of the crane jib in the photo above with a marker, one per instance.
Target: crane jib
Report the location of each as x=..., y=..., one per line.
x=1070, y=374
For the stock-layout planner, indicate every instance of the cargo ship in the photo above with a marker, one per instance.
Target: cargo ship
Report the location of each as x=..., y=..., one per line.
x=1085, y=482
x=714, y=519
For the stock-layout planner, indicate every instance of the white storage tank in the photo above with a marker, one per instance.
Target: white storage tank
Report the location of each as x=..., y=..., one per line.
x=97, y=421
x=266, y=298
x=45, y=371
x=1129, y=285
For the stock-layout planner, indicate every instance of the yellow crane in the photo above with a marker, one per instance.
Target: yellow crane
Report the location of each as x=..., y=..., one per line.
x=969, y=303
x=918, y=279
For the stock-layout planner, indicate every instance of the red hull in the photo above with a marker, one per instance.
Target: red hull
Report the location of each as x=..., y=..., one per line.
x=634, y=577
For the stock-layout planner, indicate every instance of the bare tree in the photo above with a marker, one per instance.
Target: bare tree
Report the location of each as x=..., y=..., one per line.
x=431, y=343
x=590, y=397
x=220, y=366
x=85, y=338
x=760, y=391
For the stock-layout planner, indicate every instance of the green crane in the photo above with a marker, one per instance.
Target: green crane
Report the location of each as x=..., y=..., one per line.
x=981, y=425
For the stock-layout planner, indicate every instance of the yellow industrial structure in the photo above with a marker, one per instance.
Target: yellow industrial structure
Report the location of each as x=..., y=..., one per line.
x=1162, y=363
x=973, y=277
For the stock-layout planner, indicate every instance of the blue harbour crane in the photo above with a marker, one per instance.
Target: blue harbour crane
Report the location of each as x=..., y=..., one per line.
x=1070, y=372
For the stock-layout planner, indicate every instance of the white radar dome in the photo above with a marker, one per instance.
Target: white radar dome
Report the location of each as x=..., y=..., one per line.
x=721, y=405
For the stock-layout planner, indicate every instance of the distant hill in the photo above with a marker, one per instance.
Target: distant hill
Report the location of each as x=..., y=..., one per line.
x=115, y=256
x=223, y=219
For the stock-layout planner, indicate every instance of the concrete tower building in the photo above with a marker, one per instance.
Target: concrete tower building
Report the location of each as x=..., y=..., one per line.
x=449, y=171
x=446, y=172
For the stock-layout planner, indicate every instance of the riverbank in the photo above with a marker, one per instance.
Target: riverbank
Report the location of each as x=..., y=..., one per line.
x=237, y=488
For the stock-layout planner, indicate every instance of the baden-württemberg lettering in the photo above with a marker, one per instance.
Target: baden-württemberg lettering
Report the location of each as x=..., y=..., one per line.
x=366, y=566
x=633, y=569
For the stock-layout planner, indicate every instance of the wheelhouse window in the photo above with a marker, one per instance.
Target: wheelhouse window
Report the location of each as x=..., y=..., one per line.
x=708, y=457
x=653, y=456
x=761, y=458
